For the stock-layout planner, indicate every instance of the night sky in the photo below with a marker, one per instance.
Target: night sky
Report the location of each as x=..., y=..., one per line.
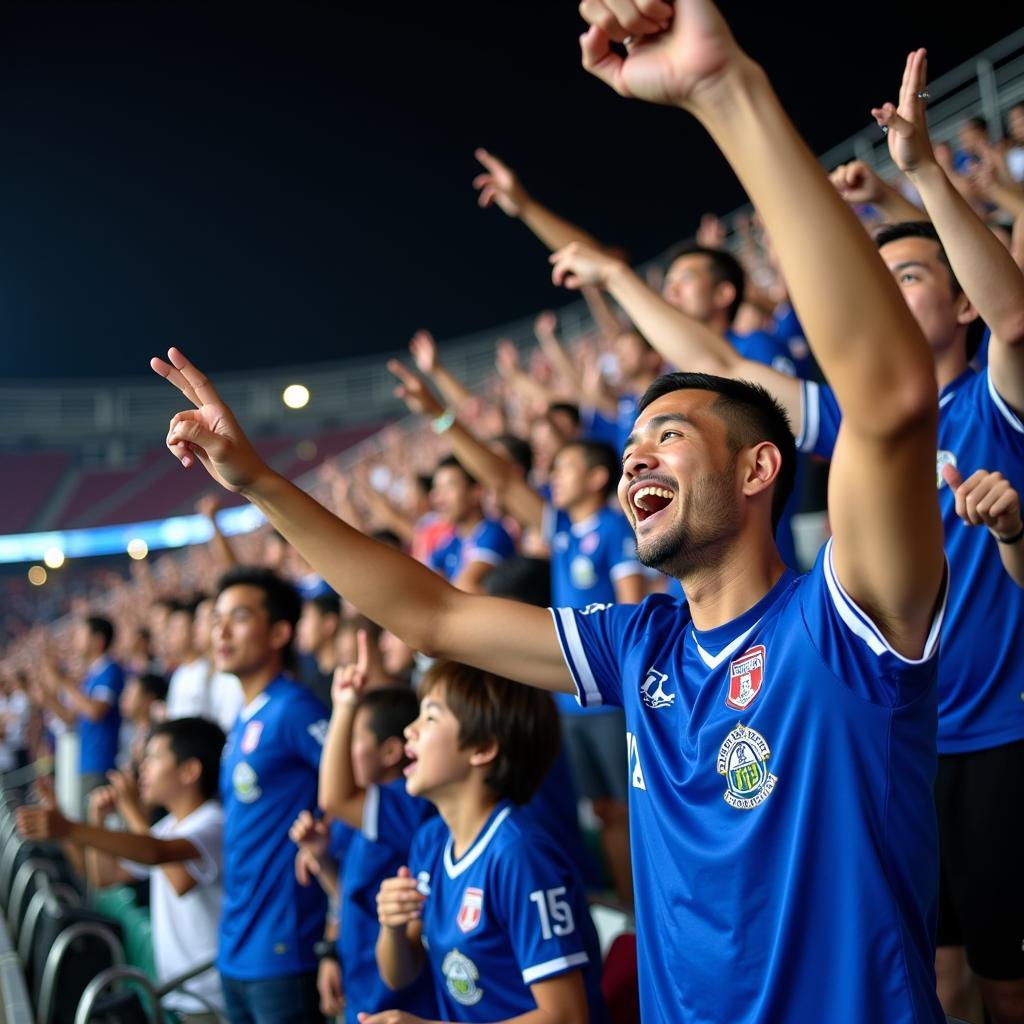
x=268, y=185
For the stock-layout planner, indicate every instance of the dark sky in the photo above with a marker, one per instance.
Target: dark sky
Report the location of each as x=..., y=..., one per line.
x=291, y=183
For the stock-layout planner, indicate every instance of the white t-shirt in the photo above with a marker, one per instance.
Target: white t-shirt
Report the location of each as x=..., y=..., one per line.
x=196, y=690
x=185, y=927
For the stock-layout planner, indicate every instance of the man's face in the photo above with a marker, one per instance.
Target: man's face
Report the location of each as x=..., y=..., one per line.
x=927, y=289
x=690, y=286
x=629, y=350
x=314, y=628
x=159, y=780
x=679, y=486
x=568, y=478
x=178, y=635
x=242, y=633
x=1015, y=123
x=452, y=495
x=84, y=642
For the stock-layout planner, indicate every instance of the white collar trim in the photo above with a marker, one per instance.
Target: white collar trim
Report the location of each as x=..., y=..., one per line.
x=453, y=870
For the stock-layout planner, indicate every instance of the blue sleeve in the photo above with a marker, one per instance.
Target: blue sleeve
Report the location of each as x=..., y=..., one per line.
x=306, y=729
x=594, y=642
x=821, y=419
x=542, y=909
x=390, y=815
x=622, y=559
x=597, y=427
x=761, y=347
x=428, y=839
x=106, y=685
x=492, y=545
x=339, y=840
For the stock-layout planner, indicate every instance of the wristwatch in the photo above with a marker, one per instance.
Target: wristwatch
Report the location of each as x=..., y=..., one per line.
x=326, y=949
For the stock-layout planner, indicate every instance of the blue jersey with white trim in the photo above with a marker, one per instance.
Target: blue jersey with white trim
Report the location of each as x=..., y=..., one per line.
x=97, y=741
x=488, y=541
x=781, y=813
x=507, y=914
x=586, y=560
x=390, y=819
x=980, y=687
x=268, y=774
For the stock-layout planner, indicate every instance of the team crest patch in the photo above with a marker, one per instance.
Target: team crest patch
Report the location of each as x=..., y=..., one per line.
x=245, y=783
x=653, y=690
x=251, y=737
x=746, y=676
x=582, y=573
x=942, y=458
x=743, y=760
x=471, y=909
x=589, y=543
x=460, y=978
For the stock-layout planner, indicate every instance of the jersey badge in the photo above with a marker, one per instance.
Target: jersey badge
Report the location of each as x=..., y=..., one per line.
x=743, y=760
x=746, y=676
x=582, y=572
x=245, y=783
x=942, y=458
x=593, y=609
x=589, y=543
x=460, y=978
x=423, y=883
x=653, y=690
x=318, y=730
x=472, y=907
x=251, y=737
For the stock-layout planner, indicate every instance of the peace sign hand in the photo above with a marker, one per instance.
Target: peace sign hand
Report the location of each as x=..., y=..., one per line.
x=349, y=681
x=209, y=432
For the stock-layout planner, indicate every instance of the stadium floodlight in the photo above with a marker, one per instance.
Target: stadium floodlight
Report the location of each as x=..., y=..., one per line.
x=137, y=549
x=54, y=558
x=295, y=396
x=37, y=575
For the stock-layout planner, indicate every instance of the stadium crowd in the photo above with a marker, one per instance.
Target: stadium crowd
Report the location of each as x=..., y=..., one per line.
x=349, y=750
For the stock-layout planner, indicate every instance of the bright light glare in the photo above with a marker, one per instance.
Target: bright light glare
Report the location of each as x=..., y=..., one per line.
x=295, y=396
x=137, y=549
x=37, y=575
x=53, y=557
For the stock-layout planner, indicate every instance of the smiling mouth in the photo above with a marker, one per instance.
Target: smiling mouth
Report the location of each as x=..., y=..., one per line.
x=649, y=500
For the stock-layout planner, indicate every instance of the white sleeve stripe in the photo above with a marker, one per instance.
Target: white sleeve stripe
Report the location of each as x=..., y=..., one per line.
x=587, y=693
x=482, y=555
x=624, y=569
x=810, y=409
x=1008, y=414
x=103, y=693
x=861, y=625
x=562, y=963
x=548, y=522
x=371, y=813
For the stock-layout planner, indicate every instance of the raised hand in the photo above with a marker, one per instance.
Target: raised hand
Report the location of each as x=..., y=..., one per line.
x=349, y=681
x=985, y=499
x=40, y=823
x=125, y=789
x=907, y=123
x=208, y=505
x=546, y=326
x=209, y=432
x=578, y=265
x=857, y=182
x=102, y=803
x=498, y=185
x=506, y=359
x=414, y=391
x=671, y=54
x=711, y=232
x=399, y=902
x=424, y=351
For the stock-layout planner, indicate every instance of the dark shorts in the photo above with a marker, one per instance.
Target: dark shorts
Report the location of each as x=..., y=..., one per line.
x=595, y=745
x=289, y=1000
x=981, y=837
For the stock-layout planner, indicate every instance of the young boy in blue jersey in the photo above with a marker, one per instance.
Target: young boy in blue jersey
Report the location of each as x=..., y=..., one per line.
x=487, y=906
x=782, y=727
x=270, y=923
x=477, y=544
x=362, y=788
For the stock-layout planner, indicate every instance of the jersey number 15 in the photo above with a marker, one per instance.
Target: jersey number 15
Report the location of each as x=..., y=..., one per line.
x=555, y=913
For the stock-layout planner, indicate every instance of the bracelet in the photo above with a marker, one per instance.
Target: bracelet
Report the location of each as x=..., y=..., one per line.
x=444, y=422
x=325, y=950
x=1013, y=539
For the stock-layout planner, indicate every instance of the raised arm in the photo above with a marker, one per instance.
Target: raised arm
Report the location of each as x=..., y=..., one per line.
x=423, y=349
x=887, y=534
x=857, y=182
x=494, y=471
x=982, y=265
x=682, y=341
x=430, y=615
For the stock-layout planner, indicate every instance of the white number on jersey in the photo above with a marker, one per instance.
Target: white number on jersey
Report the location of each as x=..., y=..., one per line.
x=555, y=913
x=636, y=773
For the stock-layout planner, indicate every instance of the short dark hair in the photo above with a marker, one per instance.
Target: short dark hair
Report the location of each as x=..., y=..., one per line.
x=389, y=709
x=521, y=579
x=325, y=604
x=751, y=415
x=186, y=605
x=517, y=450
x=522, y=720
x=197, y=738
x=598, y=455
x=566, y=408
x=153, y=685
x=925, y=229
x=725, y=269
x=450, y=462
x=101, y=627
x=280, y=598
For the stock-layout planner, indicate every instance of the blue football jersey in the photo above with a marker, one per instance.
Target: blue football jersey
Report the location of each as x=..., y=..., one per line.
x=507, y=914
x=980, y=687
x=488, y=541
x=612, y=432
x=268, y=774
x=762, y=347
x=97, y=741
x=390, y=820
x=586, y=560
x=785, y=852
